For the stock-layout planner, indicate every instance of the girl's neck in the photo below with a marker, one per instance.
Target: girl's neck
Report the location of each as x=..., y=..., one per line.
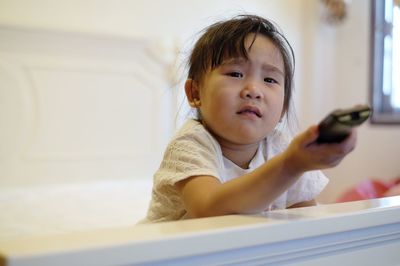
x=241, y=155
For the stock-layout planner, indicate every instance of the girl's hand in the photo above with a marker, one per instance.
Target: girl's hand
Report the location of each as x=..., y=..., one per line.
x=304, y=154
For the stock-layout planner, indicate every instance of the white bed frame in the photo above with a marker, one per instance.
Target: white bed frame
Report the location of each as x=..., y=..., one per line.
x=79, y=107
x=355, y=233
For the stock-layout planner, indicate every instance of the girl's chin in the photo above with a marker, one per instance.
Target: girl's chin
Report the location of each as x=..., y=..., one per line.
x=241, y=137
x=247, y=140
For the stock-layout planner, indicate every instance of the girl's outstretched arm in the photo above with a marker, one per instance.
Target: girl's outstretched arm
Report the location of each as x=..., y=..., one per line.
x=205, y=196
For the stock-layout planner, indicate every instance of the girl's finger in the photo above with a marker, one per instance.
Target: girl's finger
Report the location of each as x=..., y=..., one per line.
x=310, y=135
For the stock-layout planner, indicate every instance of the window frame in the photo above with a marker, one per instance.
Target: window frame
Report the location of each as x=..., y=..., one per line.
x=383, y=112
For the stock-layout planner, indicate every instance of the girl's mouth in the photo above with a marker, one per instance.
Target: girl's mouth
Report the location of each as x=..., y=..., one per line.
x=250, y=110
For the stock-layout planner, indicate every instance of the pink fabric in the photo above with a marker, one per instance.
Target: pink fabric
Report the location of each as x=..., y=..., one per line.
x=371, y=189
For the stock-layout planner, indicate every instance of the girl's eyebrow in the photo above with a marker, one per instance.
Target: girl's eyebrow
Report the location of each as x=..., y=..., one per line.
x=242, y=60
x=272, y=68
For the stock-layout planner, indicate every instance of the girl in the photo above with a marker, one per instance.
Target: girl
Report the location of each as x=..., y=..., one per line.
x=233, y=159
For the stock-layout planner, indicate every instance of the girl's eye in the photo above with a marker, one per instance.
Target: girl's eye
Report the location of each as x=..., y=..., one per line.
x=270, y=80
x=235, y=74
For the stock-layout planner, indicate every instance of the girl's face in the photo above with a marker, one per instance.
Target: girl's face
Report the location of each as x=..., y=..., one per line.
x=241, y=101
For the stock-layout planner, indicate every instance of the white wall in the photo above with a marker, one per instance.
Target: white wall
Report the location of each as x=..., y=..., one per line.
x=332, y=62
x=132, y=17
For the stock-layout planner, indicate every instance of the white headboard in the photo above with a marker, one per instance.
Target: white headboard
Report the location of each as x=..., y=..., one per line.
x=82, y=107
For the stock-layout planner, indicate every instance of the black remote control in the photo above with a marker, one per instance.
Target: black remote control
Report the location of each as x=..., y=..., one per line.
x=337, y=125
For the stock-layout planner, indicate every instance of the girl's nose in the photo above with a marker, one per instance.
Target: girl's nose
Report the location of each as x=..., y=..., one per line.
x=251, y=91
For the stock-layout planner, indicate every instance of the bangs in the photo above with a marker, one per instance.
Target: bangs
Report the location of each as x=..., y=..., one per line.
x=225, y=40
x=228, y=41
x=228, y=49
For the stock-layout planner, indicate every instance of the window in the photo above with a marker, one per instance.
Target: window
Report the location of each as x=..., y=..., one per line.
x=385, y=67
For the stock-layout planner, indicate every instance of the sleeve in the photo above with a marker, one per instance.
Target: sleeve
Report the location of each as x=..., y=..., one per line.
x=186, y=156
x=307, y=187
x=192, y=152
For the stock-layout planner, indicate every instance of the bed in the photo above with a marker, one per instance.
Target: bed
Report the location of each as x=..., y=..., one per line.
x=83, y=127
x=84, y=122
x=66, y=208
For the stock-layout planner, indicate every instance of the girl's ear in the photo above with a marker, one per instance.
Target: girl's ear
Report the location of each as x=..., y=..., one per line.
x=192, y=93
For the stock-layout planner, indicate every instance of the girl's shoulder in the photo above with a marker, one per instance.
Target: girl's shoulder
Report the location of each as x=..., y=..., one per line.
x=193, y=133
x=192, y=151
x=191, y=127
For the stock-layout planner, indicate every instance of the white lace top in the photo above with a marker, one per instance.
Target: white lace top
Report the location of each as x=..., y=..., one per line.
x=194, y=151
